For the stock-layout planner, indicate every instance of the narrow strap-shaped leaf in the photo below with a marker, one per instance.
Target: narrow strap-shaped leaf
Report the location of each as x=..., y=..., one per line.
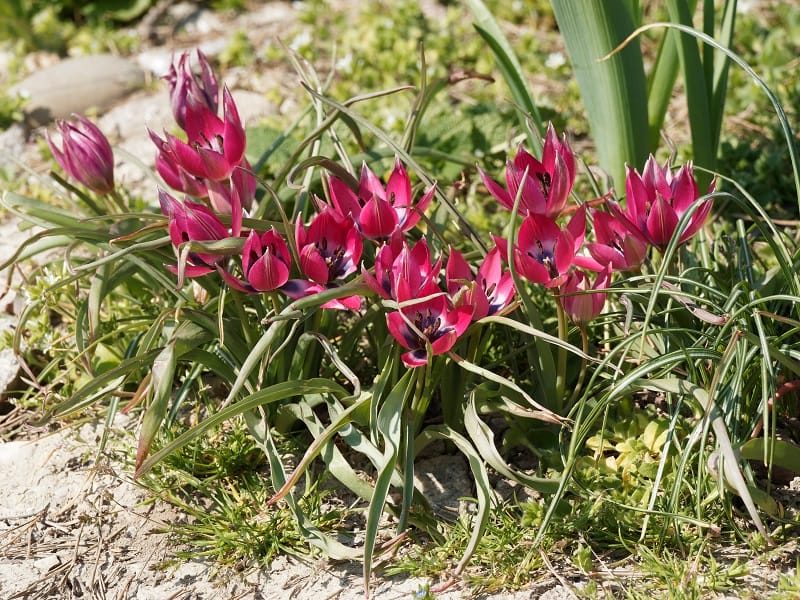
x=312, y=534
x=483, y=439
x=719, y=81
x=541, y=412
x=322, y=438
x=483, y=487
x=390, y=429
x=163, y=374
x=268, y=395
x=698, y=96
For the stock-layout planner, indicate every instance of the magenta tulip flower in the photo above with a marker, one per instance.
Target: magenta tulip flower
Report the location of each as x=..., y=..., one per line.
x=330, y=249
x=241, y=187
x=85, y=154
x=382, y=278
x=615, y=245
x=215, y=146
x=266, y=262
x=410, y=264
x=193, y=222
x=173, y=174
x=582, y=307
x=377, y=210
x=427, y=321
x=488, y=293
x=656, y=200
x=545, y=252
x=187, y=89
x=548, y=183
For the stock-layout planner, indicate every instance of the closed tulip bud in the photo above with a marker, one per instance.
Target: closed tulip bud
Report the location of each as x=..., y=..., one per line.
x=85, y=154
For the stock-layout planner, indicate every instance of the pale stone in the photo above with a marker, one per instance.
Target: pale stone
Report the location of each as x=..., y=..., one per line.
x=76, y=85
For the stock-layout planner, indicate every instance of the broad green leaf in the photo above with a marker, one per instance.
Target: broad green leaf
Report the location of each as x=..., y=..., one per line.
x=614, y=90
x=698, y=96
x=163, y=374
x=782, y=453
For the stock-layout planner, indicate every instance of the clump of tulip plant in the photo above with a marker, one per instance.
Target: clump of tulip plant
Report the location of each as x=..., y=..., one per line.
x=356, y=314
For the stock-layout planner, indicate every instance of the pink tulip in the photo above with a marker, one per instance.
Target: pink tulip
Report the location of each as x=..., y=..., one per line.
x=488, y=293
x=85, y=154
x=215, y=146
x=397, y=261
x=193, y=222
x=173, y=174
x=265, y=263
x=241, y=187
x=186, y=89
x=582, y=307
x=377, y=210
x=615, y=245
x=656, y=200
x=547, y=185
x=544, y=251
x=330, y=249
x=427, y=321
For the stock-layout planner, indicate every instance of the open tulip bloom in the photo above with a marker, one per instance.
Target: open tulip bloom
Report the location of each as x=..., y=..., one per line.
x=266, y=262
x=330, y=248
x=488, y=293
x=545, y=184
x=425, y=320
x=411, y=264
x=616, y=245
x=377, y=210
x=544, y=252
x=656, y=200
x=85, y=154
x=215, y=146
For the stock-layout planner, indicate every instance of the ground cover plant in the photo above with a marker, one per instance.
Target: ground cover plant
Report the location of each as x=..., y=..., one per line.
x=595, y=340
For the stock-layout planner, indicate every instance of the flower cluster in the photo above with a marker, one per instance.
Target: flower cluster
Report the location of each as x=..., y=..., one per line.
x=210, y=163
x=554, y=253
x=368, y=228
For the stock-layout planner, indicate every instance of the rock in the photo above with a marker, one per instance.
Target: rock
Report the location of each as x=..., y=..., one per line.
x=253, y=106
x=9, y=367
x=76, y=85
x=444, y=480
x=12, y=143
x=47, y=563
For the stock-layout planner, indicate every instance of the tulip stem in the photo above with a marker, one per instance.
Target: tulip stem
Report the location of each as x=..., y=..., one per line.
x=118, y=200
x=561, y=368
x=582, y=375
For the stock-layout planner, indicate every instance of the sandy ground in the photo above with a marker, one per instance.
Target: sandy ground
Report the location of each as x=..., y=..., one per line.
x=72, y=525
